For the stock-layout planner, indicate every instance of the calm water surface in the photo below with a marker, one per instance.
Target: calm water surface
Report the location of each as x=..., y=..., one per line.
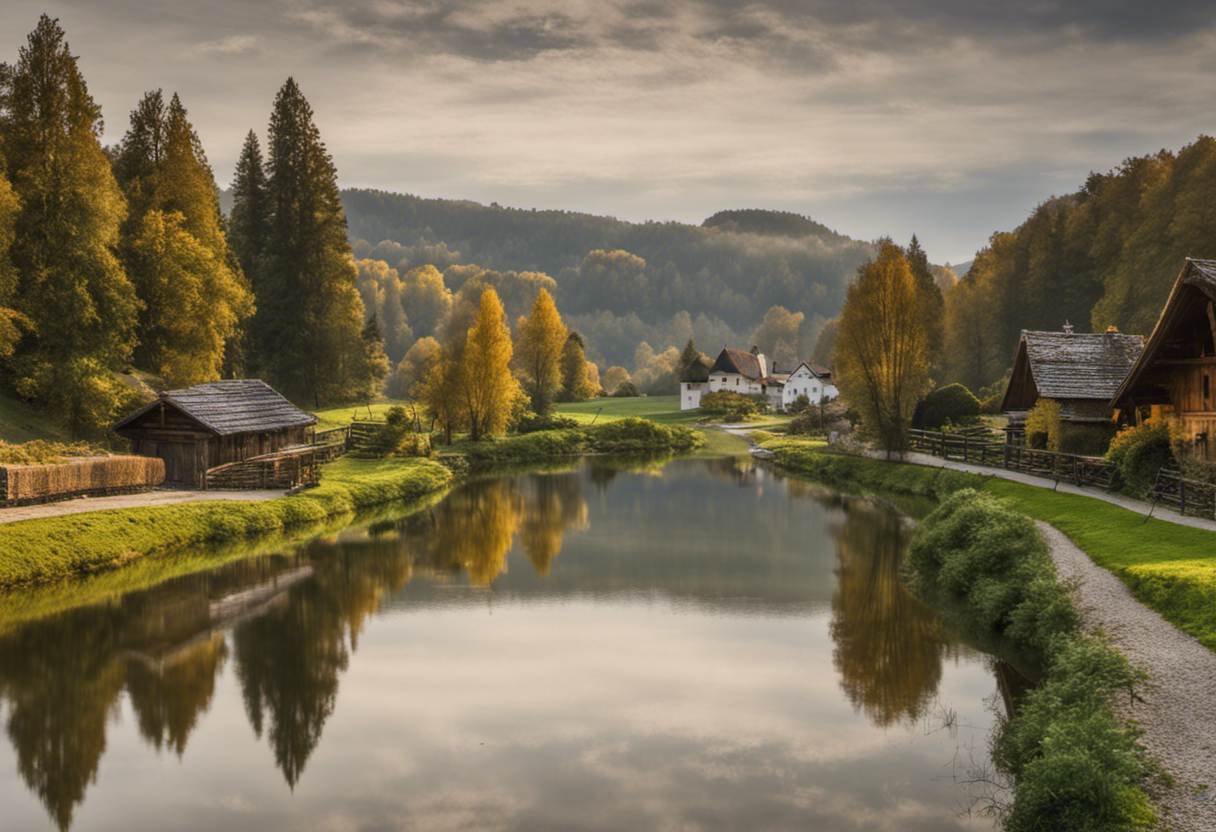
x=697, y=646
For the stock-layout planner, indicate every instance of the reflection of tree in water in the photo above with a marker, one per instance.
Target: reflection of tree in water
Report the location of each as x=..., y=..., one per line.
x=889, y=646
x=289, y=659
x=168, y=697
x=550, y=507
x=62, y=683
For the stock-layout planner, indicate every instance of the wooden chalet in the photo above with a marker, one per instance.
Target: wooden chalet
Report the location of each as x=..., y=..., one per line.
x=1081, y=371
x=1175, y=375
x=208, y=425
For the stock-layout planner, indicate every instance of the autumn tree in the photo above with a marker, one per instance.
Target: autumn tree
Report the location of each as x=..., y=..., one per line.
x=12, y=322
x=309, y=323
x=70, y=285
x=539, y=350
x=825, y=344
x=426, y=299
x=779, y=337
x=488, y=388
x=382, y=292
x=580, y=377
x=931, y=303
x=614, y=377
x=881, y=358
x=193, y=294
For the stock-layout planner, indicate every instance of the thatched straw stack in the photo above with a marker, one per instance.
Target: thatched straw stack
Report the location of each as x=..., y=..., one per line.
x=88, y=475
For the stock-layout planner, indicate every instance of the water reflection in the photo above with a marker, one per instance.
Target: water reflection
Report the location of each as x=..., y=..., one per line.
x=734, y=542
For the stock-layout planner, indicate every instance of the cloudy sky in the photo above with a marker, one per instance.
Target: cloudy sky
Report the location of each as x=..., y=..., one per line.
x=950, y=119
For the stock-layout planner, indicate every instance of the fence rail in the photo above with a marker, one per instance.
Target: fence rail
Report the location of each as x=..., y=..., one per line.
x=978, y=447
x=288, y=468
x=1186, y=496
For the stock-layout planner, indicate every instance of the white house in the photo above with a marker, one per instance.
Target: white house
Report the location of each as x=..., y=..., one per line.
x=808, y=380
x=749, y=374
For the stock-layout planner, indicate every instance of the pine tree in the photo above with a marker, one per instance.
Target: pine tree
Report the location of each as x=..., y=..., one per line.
x=374, y=358
x=931, y=293
x=249, y=220
x=175, y=248
x=689, y=358
x=538, y=352
x=70, y=283
x=489, y=389
x=307, y=331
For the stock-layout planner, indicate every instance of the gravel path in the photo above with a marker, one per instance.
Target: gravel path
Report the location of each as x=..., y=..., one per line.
x=1178, y=713
x=161, y=497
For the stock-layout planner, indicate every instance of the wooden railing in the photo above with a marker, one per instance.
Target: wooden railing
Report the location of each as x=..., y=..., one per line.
x=978, y=447
x=1186, y=496
x=288, y=468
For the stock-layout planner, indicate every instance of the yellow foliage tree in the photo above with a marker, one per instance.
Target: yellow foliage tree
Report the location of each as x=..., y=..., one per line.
x=538, y=352
x=487, y=385
x=881, y=357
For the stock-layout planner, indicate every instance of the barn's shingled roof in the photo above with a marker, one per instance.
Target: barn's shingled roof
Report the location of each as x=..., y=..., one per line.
x=1080, y=365
x=232, y=406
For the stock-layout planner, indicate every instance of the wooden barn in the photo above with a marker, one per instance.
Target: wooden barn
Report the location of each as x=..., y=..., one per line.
x=1175, y=376
x=212, y=424
x=1080, y=371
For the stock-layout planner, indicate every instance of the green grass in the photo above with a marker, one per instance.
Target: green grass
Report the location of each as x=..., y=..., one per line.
x=336, y=417
x=1170, y=568
x=48, y=549
x=21, y=423
x=662, y=409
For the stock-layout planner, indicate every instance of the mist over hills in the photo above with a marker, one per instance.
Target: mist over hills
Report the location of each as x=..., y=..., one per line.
x=621, y=283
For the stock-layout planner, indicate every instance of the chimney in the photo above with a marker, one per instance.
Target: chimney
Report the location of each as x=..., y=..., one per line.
x=1067, y=327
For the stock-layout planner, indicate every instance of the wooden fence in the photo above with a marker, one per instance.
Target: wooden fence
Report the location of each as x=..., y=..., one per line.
x=288, y=468
x=978, y=447
x=1186, y=496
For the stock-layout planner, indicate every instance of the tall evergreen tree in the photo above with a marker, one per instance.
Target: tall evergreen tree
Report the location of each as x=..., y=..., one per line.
x=176, y=252
x=934, y=303
x=249, y=220
x=580, y=378
x=70, y=283
x=310, y=317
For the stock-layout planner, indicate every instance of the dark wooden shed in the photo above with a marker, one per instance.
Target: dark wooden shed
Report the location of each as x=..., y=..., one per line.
x=1080, y=371
x=212, y=424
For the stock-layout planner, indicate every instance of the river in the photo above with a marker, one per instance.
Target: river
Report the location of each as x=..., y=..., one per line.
x=701, y=644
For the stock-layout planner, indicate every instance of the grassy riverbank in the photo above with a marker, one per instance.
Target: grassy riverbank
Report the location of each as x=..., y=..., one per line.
x=1075, y=764
x=47, y=549
x=1170, y=568
x=53, y=548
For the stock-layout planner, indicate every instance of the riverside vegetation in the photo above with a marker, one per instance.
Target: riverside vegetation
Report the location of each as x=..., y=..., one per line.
x=34, y=551
x=1074, y=763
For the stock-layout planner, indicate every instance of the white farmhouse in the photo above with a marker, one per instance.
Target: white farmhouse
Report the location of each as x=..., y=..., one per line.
x=749, y=374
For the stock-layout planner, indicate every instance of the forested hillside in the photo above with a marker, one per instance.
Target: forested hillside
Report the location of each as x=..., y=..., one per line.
x=622, y=283
x=1104, y=256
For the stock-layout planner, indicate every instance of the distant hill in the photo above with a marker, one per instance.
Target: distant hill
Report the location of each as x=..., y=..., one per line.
x=714, y=281
x=962, y=268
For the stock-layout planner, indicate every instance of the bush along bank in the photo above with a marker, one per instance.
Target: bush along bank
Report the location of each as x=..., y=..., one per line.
x=624, y=436
x=1167, y=566
x=1075, y=765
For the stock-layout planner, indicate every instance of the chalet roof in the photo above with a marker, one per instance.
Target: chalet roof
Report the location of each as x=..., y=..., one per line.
x=232, y=406
x=1079, y=365
x=1199, y=274
x=744, y=363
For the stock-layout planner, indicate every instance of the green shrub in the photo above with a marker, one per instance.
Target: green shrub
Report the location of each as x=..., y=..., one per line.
x=804, y=424
x=734, y=407
x=1140, y=452
x=799, y=404
x=640, y=435
x=531, y=422
x=625, y=390
x=990, y=561
x=953, y=403
x=42, y=452
x=1075, y=765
